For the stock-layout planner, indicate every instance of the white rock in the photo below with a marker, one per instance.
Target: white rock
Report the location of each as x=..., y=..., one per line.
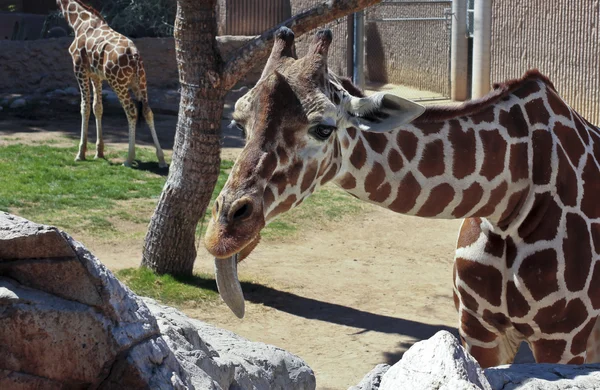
x=372, y=380
x=439, y=363
x=544, y=376
x=18, y=103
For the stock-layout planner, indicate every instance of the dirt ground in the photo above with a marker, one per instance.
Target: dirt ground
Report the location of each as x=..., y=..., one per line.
x=344, y=297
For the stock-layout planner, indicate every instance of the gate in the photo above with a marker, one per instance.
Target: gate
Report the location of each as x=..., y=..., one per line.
x=408, y=44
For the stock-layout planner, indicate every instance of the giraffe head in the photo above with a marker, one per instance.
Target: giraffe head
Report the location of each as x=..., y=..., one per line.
x=293, y=120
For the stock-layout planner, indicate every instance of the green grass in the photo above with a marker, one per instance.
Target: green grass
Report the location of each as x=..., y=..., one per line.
x=170, y=290
x=101, y=198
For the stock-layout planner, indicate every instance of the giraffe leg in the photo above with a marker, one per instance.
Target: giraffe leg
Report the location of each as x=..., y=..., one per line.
x=97, y=84
x=593, y=344
x=84, y=87
x=131, y=112
x=489, y=347
x=139, y=90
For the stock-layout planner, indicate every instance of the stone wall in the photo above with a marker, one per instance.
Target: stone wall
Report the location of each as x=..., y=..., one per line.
x=559, y=38
x=29, y=66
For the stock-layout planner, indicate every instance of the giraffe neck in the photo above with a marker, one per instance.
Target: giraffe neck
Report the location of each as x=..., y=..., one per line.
x=474, y=165
x=78, y=15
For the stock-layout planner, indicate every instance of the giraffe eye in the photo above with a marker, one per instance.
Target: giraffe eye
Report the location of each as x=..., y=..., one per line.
x=322, y=132
x=240, y=128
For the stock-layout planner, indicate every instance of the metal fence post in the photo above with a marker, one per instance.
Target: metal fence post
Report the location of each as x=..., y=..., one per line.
x=359, y=49
x=459, y=55
x=482, y=39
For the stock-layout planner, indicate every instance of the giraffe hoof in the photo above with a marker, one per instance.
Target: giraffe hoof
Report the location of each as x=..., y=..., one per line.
x=127, y=164
x=80, y=158
x=97, y=156
x=163, y=165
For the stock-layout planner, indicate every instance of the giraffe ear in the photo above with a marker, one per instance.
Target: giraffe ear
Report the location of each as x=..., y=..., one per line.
x=382, y=112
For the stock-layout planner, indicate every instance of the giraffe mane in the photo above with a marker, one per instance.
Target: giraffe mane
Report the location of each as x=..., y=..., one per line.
x=435, y=113
x=90, y=9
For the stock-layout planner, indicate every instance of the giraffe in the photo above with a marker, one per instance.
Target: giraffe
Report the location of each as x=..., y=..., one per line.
x=519, y=166
x=100, y=53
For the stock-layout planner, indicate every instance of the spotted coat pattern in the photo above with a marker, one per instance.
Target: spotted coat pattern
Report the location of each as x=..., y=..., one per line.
x=520, y=166
x=99, y=53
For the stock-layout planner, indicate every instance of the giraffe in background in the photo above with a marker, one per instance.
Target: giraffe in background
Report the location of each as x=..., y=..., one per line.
x=519, y=165
x=100, y=53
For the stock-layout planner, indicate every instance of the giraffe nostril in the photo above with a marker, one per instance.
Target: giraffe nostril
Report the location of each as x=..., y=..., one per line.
x=241, y=210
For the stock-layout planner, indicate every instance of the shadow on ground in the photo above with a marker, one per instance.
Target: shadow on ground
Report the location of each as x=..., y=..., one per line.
x=333, y=313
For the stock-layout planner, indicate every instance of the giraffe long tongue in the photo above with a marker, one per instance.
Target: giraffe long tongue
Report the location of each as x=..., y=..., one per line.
x=229, y=285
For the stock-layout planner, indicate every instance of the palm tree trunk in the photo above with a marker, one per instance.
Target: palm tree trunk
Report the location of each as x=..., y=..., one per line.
x=170, y=241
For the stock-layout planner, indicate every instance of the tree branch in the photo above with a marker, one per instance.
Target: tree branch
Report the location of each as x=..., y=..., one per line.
x=243, y=59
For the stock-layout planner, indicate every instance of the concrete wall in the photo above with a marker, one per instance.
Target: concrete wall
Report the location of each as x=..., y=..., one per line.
x=560, y=38
x=45, y=64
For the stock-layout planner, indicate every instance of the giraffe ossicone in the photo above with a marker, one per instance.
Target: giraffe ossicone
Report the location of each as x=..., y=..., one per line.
x=99, y=53
x=520, y=166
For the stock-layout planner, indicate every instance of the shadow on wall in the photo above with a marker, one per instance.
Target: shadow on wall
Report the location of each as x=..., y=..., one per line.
x=376, y=69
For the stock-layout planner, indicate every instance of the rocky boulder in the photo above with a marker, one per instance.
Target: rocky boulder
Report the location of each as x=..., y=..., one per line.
x=67, y=322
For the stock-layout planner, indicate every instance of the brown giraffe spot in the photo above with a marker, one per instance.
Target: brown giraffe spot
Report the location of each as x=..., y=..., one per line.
x=432, y=162
x=347, y=181
x=345, y=142
x=525, y=329
x=536, y=112
x=456, y=300
x=570, y=142
x=497, y=320
x=595, y=230
x=581, y=128
x=279, y=179
x=539, y=273
x=309, y=176
x=566, y=181
x=496, y=196
x=268, y=198
x=377, y=142
x=558, y=106
x=548, y=351
x=514, y=122
x=486, y=357
x=283, y=156
x=494, y=153
x=594, y=290
x=470, y=197
x=282, y=207
x=515, y=202
x=518, y=162
x=511, y=252
x=591, y=188
x=295, y=172
x=336, y=150
x=494, y=245
x=382, y=193
x=470, y=231
x=408, y=143
x=330, y=174
x=544, y=210
x=515, y=301
x=351, y=132
x=359, y=154
x=577, y=251
x=267, y=165
x=395, y=161
x=579, y=343
x=467, y=299
x=430, y=127
x=561, y=317
x=408, y=192
x=472, y=327
x=439, y=197
x=542, y=157
x=484, y=279
x=484, y=116
x=374, y=179
x=577, y=360
x=464, y=144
